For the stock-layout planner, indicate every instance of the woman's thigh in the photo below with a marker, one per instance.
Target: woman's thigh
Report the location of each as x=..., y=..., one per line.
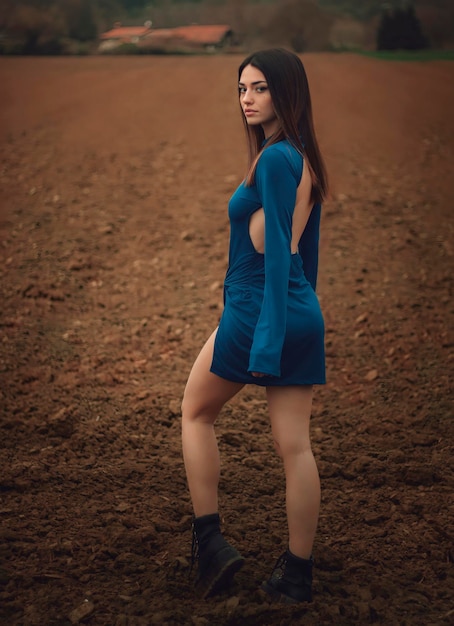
x=206, y=393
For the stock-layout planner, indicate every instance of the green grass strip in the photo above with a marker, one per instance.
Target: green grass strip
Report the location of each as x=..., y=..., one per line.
x=410, y=55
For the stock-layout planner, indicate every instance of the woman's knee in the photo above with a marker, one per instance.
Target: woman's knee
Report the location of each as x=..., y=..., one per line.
x=288, y=446
x=193, y=410
x=205, y=395
x=199, y=405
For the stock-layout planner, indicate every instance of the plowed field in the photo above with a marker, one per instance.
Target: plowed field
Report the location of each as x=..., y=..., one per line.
x=115, y=175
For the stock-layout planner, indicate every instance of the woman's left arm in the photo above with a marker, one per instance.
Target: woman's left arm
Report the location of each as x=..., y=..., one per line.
x=276, y=181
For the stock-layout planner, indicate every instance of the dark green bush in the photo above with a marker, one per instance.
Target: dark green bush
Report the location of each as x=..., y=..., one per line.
x=400, y=30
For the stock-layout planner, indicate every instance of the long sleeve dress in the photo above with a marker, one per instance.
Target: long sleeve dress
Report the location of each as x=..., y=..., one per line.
x=272, y=322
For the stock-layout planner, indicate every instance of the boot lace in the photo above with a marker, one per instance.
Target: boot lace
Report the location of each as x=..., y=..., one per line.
x=279, y=568
x=194, y=550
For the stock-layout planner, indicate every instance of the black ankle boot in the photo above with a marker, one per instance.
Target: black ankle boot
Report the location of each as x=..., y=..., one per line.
x=291, y=580
x=218, y=561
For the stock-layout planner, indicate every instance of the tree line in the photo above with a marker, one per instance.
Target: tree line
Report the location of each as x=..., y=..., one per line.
x=71, y=26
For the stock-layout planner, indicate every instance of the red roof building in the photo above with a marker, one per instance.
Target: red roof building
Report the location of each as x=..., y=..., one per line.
x=125, y=34
x=195, y=36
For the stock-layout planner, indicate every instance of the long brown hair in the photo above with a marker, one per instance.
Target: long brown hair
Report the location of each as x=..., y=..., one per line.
x=289, y=89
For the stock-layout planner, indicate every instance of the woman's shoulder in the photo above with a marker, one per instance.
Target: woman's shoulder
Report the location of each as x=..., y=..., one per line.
x=282, y=154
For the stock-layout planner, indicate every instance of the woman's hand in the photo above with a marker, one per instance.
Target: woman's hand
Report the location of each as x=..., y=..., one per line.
x=258, y=374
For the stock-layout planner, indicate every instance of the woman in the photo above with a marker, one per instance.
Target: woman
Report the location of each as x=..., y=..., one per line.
x=271, y=332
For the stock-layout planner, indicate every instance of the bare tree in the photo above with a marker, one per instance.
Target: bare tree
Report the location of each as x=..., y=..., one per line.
x=301, y=24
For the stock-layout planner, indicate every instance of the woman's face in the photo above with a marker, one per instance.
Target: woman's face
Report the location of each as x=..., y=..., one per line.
x=255, y=100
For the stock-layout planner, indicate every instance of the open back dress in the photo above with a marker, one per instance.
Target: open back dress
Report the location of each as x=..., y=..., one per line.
x=271, y=322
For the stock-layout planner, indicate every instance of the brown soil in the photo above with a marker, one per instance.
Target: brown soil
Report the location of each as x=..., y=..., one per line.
x=115, y=176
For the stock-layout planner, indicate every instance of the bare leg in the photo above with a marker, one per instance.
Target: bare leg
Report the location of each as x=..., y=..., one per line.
x=204, y=397
x=290, y=411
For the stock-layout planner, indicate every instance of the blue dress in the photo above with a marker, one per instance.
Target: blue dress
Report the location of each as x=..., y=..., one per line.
x=272, y=322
